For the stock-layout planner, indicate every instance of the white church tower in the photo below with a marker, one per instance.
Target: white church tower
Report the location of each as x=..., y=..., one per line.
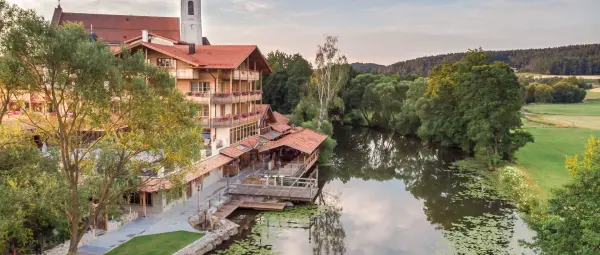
x=191, y=21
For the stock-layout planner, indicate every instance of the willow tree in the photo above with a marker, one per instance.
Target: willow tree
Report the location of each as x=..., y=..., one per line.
x=112, y=118
x=330, y=75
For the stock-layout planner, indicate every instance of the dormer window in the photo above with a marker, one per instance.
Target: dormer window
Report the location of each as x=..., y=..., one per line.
x=190, y=7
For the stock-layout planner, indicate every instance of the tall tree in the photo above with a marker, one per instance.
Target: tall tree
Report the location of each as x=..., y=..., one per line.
x=491, y=100
x=330, y=75
x=283, y=88
x=115, y=118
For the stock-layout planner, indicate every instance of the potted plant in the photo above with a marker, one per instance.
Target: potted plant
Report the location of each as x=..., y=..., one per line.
x=244, y=115
x=197, y=94
x=253, y=92
x=237, y=94
x=245, y=93
x=190, y=93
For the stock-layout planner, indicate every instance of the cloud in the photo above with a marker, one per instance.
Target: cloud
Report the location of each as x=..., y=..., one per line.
x=249, y=6
x=380, y=31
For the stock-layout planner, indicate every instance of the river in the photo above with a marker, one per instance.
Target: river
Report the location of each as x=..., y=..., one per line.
x=389, y=194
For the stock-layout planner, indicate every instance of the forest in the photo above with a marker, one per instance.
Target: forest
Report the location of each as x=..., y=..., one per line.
x=473, y=104
x=564, y=60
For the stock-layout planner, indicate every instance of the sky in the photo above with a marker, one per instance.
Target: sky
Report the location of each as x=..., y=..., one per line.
x=377, y=31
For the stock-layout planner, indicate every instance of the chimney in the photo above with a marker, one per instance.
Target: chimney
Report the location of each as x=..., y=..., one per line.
x=192, y=48
x=144, y=35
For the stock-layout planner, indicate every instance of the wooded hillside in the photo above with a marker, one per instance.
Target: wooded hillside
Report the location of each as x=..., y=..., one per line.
x=565, y=60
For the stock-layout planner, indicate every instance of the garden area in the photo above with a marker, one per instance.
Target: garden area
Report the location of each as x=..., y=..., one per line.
x=159, y=244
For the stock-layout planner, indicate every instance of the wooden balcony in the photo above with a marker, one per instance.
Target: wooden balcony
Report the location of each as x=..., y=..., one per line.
x=185, y=73
x=246, y=75
x=224, y=98
x=236, y=97
x=232, y=122
x=200, y=98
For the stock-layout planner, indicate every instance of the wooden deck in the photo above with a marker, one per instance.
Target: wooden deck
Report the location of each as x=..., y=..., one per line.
x=304, y=194
x=233, y=205
x=263, y=206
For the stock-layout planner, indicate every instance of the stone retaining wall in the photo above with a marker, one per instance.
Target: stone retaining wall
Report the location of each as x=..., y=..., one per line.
x=211, y=240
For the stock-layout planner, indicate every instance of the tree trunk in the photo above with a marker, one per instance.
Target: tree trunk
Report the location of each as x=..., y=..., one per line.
x=74, y=221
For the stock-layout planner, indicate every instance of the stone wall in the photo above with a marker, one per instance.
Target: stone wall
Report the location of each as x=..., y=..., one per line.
x=63, y=248
x=211, y=240
x=115, y=224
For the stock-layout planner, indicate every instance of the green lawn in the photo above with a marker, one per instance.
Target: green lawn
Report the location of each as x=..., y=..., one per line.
x=589, y=108
x=544, y=160
x=160, y=244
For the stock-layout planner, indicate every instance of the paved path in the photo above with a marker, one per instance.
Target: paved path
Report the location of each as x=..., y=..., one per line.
x=107, y=242
x=176, y=219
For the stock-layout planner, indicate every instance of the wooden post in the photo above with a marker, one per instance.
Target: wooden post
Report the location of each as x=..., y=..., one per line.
x=144, y=202
x=105, y=221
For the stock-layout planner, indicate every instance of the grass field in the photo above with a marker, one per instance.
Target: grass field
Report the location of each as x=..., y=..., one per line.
x=544, y=160
x=589, y=108
x=592, y=95
x=160, y=244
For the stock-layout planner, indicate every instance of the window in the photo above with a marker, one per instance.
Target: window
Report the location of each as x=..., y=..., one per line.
x=190, y=7
x=135, y=198
x=201, y=87
x=164, y=62
x=237, y=134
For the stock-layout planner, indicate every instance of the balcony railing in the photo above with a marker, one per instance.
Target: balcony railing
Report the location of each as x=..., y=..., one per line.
x=236, y=97
x=235, y=121
x=185, y=73
x=224, y=98
x=244, y=75
x=229, y=121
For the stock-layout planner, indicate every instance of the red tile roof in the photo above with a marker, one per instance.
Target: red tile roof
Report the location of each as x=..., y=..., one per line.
x=305, y=141
x=280, y=118
x=211, y=56
x=156, y=184
x=250, y=142
x=207, y=165
x=232, y=152
x=120, y=28
x=280, y=127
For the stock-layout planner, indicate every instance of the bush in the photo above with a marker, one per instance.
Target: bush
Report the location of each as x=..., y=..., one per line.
x=544, y=94
x=530, y=93
x=564, y=92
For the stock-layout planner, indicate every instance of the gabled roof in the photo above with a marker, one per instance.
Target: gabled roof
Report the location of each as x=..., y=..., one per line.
x=139, y=37
x=207, y=165
x=280, y=118
x=119, y=28
x=156, y=184
x=305, y=141
x=280, y=127
x=210, y=56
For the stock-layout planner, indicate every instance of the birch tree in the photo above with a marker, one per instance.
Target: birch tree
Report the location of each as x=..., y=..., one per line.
x=330, y=76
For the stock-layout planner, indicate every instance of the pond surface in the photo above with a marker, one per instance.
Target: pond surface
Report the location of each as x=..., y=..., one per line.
x=387, y=194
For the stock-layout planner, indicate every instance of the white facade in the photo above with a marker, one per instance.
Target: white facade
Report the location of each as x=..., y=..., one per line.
x=191, y=21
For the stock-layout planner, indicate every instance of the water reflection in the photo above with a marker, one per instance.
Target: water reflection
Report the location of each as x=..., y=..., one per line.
x=387, y=194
